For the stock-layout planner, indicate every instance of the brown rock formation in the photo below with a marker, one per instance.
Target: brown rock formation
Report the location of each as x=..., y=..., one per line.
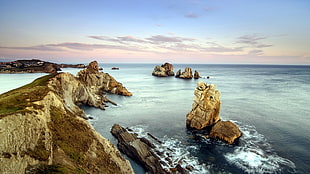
x=42, y=130
x=196, y=75
x=187, y=74
x=100, y=80
x=206, y=107
x=163, y=70
x=206, y=113
x=137, y=149
x=143, y=151
x=225, y=130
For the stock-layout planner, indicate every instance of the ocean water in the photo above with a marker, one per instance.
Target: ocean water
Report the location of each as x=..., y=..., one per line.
x=270, y=104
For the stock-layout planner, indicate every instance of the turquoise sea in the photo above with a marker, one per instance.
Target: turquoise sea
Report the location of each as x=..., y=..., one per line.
x=270, y=104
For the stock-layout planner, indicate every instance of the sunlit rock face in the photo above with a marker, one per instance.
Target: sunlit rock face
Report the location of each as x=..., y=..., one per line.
x=205, y=113
x=187, y=74
x=48, y=132
x=100, y=80
x=163, y=70
x=206, y=107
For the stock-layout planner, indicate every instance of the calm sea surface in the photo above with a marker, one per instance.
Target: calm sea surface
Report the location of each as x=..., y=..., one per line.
x=270, y=104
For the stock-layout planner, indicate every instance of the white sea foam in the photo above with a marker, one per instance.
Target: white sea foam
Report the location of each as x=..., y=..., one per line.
x=255, y=154
x=172, y=152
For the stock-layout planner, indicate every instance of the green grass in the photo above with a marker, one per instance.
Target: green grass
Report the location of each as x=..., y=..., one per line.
x=70, y=134
x=18, y=99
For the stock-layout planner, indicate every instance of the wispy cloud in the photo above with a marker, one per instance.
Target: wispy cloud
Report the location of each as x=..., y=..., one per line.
x=73, y=46
x=166, y=39
x=191, y=15
x=255, y=52
x=153, y=44
x=250, y=39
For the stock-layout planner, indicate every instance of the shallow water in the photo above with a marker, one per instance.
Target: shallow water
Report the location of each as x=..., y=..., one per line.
x=270, y=103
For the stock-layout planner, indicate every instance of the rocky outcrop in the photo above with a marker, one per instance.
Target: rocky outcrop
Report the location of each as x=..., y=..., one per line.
x=137, y=149
x=143, y=151
x=187, y=74
x=206, y=113
x=163, y=70
x=196, y=75
x=42, y=130
x=206, y=107
x=101, y=81
x=225, y=130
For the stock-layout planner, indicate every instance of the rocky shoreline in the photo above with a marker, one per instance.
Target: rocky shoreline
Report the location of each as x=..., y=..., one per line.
x=34, y=66
x=43, y=130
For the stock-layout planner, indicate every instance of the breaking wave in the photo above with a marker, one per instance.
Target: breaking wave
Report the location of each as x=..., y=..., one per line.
x=172, y=152
x=254, y=154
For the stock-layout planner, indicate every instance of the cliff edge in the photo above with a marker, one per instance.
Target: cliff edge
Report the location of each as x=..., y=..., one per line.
x=43, y=130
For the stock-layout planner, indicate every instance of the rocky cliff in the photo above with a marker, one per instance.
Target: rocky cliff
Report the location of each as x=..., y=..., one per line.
x=43, y=130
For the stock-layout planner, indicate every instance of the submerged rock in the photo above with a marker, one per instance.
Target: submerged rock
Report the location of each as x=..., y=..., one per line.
x=163, y=70
x=225, y=130
x=206, y=107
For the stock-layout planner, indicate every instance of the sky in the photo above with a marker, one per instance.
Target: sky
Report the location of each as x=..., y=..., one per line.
x=156, y=31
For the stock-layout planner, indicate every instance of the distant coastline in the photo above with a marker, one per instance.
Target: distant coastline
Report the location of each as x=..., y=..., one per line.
x=34, y=66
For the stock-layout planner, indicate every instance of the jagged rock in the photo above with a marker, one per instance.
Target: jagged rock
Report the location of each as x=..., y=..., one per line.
x=196, y=75
x=163, y=70
x=187, y=74
x=100, y=80
x=46, y=131
x=168, y=69
x=225, y=130
x=206, y=107
x=137, y=149
x=205, y=113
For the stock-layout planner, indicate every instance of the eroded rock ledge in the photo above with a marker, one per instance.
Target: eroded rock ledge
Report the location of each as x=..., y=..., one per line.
x=43, y=129
x=205, y=113
x=144, y=152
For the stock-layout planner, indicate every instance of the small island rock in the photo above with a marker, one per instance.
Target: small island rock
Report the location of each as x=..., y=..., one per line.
x=163, y=70
x=225, y=130
x=196, y=75
x=187, y=74
x=206, y=107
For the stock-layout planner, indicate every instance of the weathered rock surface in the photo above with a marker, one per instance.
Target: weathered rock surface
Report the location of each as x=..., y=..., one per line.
x=206, y=107
x=143, y=151
x=136, y=149
x=163, y=70
x=46, y=131
x=100, y=80
x=206, y=113
x=187, y=74
x=196, y=75
x=225, y=130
